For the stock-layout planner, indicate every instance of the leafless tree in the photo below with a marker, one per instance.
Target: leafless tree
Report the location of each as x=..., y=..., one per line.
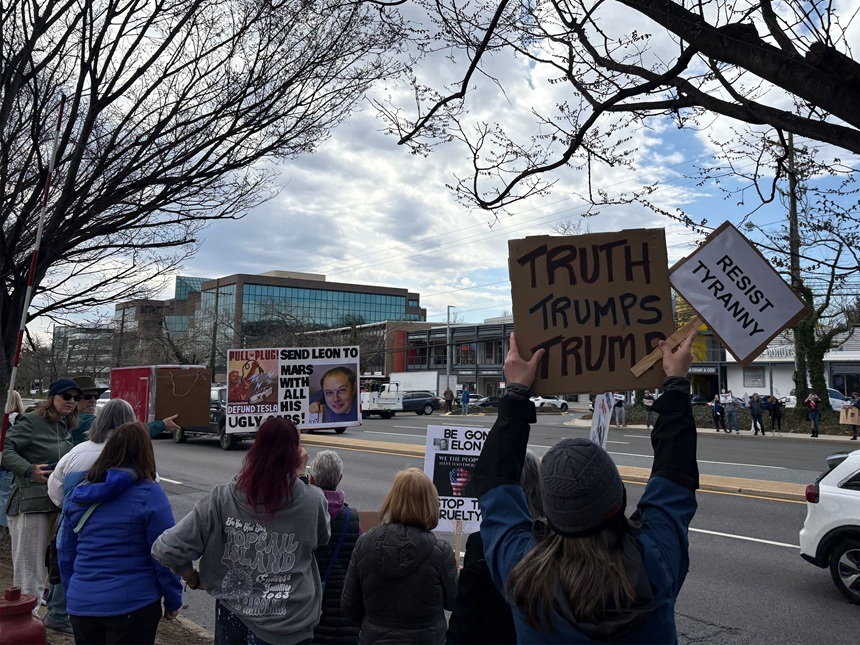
x=175, y=110
x=623, y=66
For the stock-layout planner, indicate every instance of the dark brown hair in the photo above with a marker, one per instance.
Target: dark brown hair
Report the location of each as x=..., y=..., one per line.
x=129, y=446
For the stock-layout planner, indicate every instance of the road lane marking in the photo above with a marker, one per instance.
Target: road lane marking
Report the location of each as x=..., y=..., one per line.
x=169, y=481
x=703, y=461
x=404, y=427
x=394, y=434
x=748, y=539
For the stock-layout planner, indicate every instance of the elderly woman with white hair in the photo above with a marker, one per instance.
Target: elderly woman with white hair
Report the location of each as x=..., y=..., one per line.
x=326, y=472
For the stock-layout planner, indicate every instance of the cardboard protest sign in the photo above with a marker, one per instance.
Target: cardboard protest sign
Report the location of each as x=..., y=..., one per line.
x=597, y=303
x=726, y=397
x=849, y=415
x=601, y=418
x=737, y=293
x=449, y=460
x=315, y=387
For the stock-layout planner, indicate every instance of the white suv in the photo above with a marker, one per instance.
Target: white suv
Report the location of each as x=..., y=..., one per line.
x=547, y=401
x=830, y=536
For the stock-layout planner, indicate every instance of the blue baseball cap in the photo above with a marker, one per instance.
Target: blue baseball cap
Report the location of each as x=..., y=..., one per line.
x=62, y=385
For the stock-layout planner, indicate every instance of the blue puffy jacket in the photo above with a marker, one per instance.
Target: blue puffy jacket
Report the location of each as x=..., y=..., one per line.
x=107, y=569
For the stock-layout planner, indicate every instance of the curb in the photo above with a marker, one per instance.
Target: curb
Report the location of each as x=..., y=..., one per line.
x=734, y=485
x=198, y=630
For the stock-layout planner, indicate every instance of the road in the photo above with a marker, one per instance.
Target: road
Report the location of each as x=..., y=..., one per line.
x=747, y=583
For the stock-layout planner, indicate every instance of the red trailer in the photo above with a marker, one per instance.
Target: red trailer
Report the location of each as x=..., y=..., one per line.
x=159, y=391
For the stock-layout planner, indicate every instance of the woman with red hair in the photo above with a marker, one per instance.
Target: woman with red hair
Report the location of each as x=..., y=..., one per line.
x=255, y=537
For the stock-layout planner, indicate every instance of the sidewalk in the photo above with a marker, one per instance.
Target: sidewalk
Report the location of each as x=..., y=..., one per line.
x=180, y=631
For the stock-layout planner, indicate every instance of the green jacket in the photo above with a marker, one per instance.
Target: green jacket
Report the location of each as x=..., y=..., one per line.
x=32, y=440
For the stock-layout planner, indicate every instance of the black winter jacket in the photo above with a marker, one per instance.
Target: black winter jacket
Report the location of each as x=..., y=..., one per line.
x=400, y=581
x=334, y=627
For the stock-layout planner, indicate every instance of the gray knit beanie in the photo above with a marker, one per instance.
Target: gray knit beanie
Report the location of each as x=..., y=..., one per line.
x=581, y=487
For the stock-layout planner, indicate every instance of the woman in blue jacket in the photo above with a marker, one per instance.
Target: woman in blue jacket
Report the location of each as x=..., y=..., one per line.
x=595, y=575
x=114, y=589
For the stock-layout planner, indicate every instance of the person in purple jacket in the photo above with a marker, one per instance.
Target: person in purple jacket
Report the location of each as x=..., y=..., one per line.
x=595, y=575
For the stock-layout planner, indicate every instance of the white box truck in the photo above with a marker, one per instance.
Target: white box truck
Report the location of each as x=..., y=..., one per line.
x=432, y=381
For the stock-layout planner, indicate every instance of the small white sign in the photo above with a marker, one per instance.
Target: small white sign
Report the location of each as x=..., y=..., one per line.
x=600, y=418
x=449, y=461
x=737, y=293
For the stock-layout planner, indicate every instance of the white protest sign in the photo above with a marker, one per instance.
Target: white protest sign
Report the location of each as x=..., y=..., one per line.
x=314, y=387
x=737, y=293
x=449, y=461
x=600, y=419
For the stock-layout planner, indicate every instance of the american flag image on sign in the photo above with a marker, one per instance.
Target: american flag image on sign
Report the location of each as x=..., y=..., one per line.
x=459, y=477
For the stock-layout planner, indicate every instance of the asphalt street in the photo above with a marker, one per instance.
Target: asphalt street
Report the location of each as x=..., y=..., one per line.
x=747, y=583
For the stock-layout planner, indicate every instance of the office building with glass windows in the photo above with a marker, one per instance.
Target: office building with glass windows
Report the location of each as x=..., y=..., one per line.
x=274, y=309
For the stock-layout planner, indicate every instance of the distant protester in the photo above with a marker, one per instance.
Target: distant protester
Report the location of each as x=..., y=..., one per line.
x=481, y=614
x=595, y=575
x=34, y=445
x=326, y=472
x=15, y=408
x=401, y=577
x=775, y=414
x=255, y=538
x=114, y=589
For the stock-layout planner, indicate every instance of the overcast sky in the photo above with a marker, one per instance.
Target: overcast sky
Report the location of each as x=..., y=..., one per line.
x=364, y=210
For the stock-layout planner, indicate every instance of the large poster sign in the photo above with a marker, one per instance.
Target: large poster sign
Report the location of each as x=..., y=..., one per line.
x=315, y=387
x=597, y=303
x=449, y=460
x=737, y=292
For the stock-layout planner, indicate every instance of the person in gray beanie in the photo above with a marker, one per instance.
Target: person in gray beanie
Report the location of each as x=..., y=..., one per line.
x=593, y=574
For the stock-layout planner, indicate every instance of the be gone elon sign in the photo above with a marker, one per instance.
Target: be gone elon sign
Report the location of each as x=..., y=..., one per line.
x=737, y=293
x=597, y=303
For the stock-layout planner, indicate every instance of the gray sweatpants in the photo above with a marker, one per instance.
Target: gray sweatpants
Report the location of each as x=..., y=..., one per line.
x=31, y=533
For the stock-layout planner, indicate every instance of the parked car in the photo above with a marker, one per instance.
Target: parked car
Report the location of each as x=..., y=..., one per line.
x=698, y=399
x=550, y=401
x=421, y=402
x=486, y=402
x=830, y=536
x=837, y=399
x=104, y=397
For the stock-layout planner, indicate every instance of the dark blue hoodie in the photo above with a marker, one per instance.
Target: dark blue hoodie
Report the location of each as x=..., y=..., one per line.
x=107, y=569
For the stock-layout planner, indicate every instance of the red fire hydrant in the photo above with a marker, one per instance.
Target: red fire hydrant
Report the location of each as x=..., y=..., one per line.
x=18, y=625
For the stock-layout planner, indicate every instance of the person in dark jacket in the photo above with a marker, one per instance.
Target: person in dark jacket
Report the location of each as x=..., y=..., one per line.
x=326, y=472
x=114, y=589
x=775, y=414
x=756, y=411
x=481, y=614
x=401, y=578
x=595, y=576
x=718, y=413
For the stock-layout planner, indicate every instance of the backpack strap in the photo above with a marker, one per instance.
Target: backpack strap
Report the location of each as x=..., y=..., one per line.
x=336, y=551
x=85, y=517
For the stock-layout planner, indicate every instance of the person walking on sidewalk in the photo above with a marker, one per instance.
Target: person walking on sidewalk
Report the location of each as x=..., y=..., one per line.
x=775, y=414
x=620, y=411
x=732, y=415
x=650, y=415
x=718, y=413
x=114, y=589
x=855, y=401
x=449, y=400
x=34, y=445
x=756, y=410
x=813, y=412
x=464, y=399
x=255, y=538
x=596, y=575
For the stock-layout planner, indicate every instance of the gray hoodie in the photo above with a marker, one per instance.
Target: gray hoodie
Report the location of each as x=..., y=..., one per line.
x=261, y=568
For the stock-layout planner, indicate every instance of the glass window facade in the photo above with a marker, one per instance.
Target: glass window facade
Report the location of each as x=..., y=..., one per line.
x=186, y=284
x=320, y=307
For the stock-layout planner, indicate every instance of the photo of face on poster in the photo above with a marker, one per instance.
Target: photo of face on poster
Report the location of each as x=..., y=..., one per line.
x=252, y=377
x=334, y=398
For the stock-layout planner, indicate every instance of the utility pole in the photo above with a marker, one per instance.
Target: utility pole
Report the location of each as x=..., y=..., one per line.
x=800, y=382
x=448, y=348
x=214, y=328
